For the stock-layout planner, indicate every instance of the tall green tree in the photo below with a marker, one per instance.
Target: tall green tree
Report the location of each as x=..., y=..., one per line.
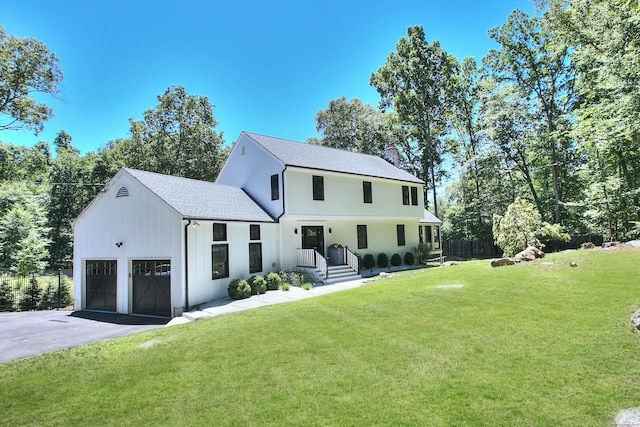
x=27, y=69
x=533, y=57
x=415, y=82
x=24, y=163
x=109, y=159
x=510, y=128
x=70, y=190
x=478, y=192
x=177, y=137
x=24, y=233
x=354, y=126
x=605, y=38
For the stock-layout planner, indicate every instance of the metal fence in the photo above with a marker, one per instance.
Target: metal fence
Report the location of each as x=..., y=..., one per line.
x=34, y=292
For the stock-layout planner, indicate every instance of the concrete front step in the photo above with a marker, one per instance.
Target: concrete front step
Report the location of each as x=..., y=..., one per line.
x=341, y=273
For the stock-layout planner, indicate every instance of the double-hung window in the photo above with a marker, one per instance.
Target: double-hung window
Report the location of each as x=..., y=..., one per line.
x=414, y=196
x=405, y=194
x=318, y=187
x=219, y=252
x=362, y=236
x=275, y=187
x=367, y=195
x=400, y=233
x=255, y=249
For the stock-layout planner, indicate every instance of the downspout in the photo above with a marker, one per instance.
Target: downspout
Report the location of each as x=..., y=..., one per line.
x=283, y=171
x=186, y=265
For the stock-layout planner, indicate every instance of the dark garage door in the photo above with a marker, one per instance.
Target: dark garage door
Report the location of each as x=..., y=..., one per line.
x=152, y=287
x=101, y=284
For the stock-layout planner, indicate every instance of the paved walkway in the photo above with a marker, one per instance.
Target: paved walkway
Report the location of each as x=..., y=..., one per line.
x=227, y=305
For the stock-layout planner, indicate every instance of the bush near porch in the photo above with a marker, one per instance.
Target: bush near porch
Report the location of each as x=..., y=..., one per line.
x=531, y=344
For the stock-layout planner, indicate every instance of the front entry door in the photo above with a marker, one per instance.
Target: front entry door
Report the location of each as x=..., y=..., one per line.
x=313, y=238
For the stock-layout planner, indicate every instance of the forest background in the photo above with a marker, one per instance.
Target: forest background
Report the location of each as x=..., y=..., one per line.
x=550, y=116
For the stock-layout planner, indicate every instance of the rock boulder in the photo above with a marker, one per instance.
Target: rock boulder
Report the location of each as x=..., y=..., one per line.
x=587, y=245
x=499, y=262
x=529, y=254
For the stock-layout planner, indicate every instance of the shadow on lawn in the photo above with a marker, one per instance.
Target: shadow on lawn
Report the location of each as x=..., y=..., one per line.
x=120, y=319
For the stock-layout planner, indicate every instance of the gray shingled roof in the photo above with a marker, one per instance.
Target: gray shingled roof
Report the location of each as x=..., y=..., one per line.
x=311, y=156
x=201, y=199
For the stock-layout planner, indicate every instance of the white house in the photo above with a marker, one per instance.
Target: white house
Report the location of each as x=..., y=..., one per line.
x=157, y=245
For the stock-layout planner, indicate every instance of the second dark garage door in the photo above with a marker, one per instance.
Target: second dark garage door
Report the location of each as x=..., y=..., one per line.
x=152, y=287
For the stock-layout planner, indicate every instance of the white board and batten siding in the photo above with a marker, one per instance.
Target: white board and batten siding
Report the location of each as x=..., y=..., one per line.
x=145, y=227
x=202, y=287
x=250, y=167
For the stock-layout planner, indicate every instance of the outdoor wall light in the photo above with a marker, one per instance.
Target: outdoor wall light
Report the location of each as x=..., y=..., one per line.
x=195, y=224
x=118, y=244
x=295, y=231
x=329, y=230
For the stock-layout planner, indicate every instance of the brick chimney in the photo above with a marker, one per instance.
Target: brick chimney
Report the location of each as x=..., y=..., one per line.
x=392, y=155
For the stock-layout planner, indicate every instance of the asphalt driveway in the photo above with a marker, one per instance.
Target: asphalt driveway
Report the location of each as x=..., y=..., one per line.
x=32, y=332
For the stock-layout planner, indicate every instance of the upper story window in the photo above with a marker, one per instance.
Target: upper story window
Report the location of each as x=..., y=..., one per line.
x=254, y=232
x=275, y=187
x=318, y=187
x=414, y=196
x=405, y=194
x=219, y=232
x=366, y=192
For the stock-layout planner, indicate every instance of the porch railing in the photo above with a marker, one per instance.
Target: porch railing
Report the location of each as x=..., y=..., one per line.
x=313, y=258
x=352, y=260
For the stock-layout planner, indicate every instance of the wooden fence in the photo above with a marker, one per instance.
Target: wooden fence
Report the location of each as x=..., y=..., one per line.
x=486, y=248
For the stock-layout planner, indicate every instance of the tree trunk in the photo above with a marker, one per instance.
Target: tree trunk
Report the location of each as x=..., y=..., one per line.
x=554, y=174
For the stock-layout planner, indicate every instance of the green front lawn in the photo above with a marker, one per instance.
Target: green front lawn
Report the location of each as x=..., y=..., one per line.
x=532, y=344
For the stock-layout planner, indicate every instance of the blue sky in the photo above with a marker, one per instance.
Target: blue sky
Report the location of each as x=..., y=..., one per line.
x=267, y=66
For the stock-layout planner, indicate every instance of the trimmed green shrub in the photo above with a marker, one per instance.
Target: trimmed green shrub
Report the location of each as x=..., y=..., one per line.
x=6, y=296
x=257, y=284
x=409, y=259
x=49, y=297
x=368, y=261
x=273, y=281
x=396, y=260
x=383, y=260
x=307, y=286
x=54, y=297
x=239, y=289
x=286, y=286
x=31, y=297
